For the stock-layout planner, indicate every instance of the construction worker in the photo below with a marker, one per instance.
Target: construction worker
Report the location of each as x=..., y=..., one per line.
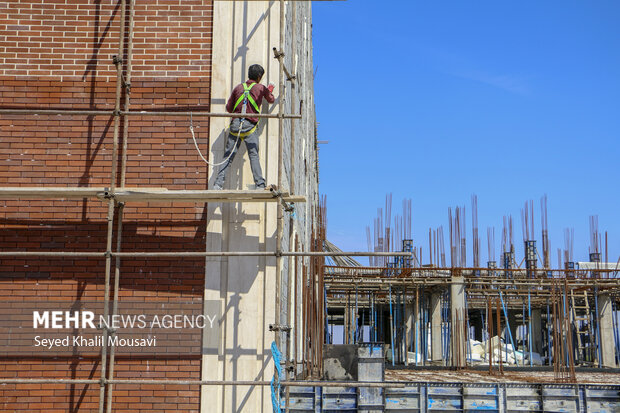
x=245, y=98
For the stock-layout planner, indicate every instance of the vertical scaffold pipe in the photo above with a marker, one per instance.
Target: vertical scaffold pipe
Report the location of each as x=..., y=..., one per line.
x=549, y=355
x=356, y=315
x=391, y=327
x=468, y=355
x=529, y=318
x=416, y=323
x=507, y=325
x=598, y=329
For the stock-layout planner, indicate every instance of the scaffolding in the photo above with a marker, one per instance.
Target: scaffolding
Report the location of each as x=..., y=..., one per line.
x=117, y=195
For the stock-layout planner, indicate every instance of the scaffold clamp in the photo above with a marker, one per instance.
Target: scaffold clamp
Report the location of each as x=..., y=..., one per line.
x=279, y=327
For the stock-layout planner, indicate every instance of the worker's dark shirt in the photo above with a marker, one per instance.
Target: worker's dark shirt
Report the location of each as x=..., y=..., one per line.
x=258, y=92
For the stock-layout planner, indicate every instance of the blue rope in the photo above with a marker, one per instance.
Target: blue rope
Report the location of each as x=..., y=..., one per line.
x=275, y=381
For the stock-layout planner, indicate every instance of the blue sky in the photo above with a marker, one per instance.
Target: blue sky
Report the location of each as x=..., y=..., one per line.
x=436, y=101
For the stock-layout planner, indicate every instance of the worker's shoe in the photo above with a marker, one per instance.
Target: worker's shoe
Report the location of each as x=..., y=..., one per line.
x=216, y=187
x=261, y=187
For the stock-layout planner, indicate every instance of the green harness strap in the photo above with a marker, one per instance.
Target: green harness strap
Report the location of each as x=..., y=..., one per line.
x=247, y=97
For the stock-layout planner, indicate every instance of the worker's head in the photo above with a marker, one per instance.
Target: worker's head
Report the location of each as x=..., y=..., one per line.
x=256, y=72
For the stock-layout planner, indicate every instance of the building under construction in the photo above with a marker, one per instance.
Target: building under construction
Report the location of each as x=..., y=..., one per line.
x=111, y=122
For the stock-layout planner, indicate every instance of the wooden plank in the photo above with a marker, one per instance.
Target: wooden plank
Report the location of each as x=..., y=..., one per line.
x=206, y=196
x=145, y=194
x=49, y=192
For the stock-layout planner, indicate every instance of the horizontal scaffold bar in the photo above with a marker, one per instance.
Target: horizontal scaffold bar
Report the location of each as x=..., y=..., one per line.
x=142, y=113
x=147, y=194
x=196, y=254
x=292, y=383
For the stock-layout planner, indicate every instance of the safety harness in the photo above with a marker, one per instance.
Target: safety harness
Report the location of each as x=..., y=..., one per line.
x=244, y=99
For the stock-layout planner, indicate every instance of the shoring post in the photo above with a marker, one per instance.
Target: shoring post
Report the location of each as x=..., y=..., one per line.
x=416, y=321
x=507, y=324
x=489, y=333
x=549, y=350
x=615, y=327
x=467, y=332
x=355, y=314
x=598, y=329
x=499, y=334
x=407, y=323
x=529, y=315
x=391, y=326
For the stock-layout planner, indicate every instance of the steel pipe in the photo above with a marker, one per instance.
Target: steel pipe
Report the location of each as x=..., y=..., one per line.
x=69, y=112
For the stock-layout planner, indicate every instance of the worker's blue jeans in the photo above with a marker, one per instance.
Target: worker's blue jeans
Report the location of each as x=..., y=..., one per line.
x=251, y=144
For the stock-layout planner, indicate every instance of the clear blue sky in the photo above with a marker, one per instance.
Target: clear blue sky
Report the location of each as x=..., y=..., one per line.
x=436, y=101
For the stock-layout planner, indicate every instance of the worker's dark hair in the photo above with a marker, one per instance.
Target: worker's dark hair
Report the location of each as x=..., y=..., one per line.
x=255, y=72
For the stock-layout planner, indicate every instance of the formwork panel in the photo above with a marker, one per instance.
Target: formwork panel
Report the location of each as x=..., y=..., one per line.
x=407, y=399
x=468, y=397
x=480, y=397
x=339, y=399
x=300, y=399
x=602, y=400
x=370, y=368
x=560, y=398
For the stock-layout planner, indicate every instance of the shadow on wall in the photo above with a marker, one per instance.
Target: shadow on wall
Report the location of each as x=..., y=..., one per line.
x=177, y=276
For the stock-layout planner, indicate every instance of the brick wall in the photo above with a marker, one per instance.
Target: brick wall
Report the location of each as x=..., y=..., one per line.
x=58, y=54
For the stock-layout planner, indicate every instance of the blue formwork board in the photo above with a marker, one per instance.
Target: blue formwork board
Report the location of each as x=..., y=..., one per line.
x=339, y=399
x=465, y=397
x=300, y=399
x=405, y=399
x=481, y=397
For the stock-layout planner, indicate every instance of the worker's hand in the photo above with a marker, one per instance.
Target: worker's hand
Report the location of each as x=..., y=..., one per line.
x=271, y=87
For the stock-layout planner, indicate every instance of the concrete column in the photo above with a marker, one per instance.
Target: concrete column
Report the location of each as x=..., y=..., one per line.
x=536, y=331
x=417, y=329
x=409, y=336
x=436, y=326
x=605, y=315
x=457, y=305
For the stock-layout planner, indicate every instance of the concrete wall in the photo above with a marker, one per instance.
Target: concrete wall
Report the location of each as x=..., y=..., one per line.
x=244, y=33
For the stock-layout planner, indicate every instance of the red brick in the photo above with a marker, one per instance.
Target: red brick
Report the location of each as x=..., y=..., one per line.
x=54, y=38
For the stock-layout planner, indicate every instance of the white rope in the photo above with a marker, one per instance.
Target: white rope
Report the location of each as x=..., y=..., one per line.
x=191, y=129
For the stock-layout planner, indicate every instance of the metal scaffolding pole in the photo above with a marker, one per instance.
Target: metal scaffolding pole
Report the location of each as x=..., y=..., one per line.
x=198, y=113
x=196, y=254
x=118, y=62
x=292, y=383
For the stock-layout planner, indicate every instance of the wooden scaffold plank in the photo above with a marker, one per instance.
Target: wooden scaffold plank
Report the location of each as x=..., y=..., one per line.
x=147, y=194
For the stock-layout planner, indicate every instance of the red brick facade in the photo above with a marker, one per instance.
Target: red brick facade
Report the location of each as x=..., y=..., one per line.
x=58, y=54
